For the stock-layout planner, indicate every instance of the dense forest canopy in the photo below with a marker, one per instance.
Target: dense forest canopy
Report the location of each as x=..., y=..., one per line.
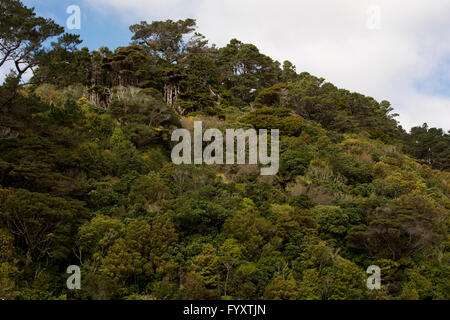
x=86, y=177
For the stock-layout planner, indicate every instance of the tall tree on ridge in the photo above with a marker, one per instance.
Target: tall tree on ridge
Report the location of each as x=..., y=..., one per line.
x=167, y=40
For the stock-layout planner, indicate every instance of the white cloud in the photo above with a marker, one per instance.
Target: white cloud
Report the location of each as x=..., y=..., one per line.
x=330, y=39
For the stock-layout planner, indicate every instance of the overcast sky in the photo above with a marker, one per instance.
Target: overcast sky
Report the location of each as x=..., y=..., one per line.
x=391, y=50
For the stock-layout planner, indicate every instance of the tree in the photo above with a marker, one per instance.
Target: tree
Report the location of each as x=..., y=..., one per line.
x=289, y=72
x=7, y=250
x=9, y=276
x=281, y=289
x=332, y=220
x=165, y=41
x=163, y=238
x=129, y=257
x=250, y=229
x=246, y=71
x=199, y=87
x=127, y=157
x=97, y=236
x=231, y=255
x=164, y=38
x=43, y=225
x=22, y=35
x=431, y=145
x=329, y=276
x=203, y=281
x=63, y=65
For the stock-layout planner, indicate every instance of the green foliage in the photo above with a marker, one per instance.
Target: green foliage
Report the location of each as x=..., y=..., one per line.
x=246, y=71
x=280, y=289
x=86, y=176
x=43, y=225
x=125, y=156
x=430, y=145
x=281, y=118
x=164, y=38
x=295, y=157
x=22, y=35
x=332, y=220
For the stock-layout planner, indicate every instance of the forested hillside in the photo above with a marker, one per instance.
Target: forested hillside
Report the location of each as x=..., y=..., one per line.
x=86, y=176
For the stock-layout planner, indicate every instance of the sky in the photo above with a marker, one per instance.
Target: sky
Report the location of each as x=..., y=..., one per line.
x=391, y=50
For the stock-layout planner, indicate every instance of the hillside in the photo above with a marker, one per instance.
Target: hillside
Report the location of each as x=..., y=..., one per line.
x=86, y=179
